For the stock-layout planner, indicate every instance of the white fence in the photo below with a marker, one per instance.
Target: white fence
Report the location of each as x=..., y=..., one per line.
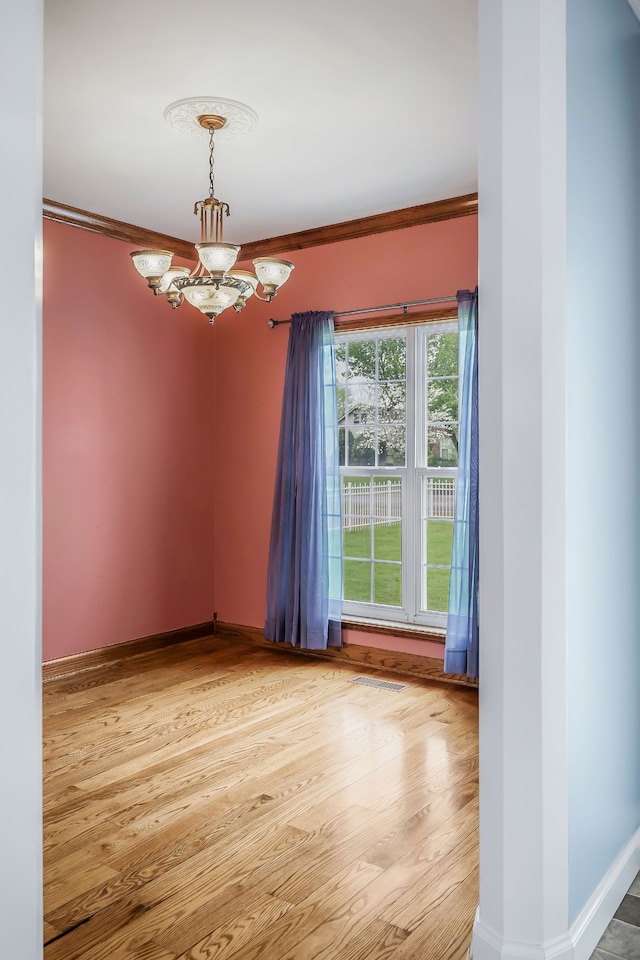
x=364, y=504
x=378, y=503
x=440, y=497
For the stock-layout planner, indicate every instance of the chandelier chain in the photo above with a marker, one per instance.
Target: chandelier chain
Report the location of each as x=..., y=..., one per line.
x=211, y=131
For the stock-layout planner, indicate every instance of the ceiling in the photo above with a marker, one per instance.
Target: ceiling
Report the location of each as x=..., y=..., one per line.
x=364, y=106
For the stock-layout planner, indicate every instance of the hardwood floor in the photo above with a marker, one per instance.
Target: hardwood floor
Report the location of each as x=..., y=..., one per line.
x=215, y=799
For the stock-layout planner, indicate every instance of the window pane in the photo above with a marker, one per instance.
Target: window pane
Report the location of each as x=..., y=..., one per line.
x=442, y=355
x=438, y=497
x=357, y=580
x=438, y=501
x=341, y=359
x=391, y=446
x=442, y=444
x=356, y=516
x=391, y=402
x=442, y=397
x=438, y=588
x=361, y=403
x=361, y=361
x=387, y=539
x=341, y=446
x=392, y=359
x=387, y=499
x=362, y=451
x=356, y=542
x=439, y=541
x=387, y=584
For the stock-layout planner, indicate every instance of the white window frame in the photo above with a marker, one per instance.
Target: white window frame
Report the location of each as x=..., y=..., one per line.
x=413, y=558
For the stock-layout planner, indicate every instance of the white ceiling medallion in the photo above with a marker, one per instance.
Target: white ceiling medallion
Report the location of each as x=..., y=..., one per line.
x=183, y=116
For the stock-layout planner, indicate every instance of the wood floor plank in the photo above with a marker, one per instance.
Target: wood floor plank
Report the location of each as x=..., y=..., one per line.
x=49, y=932
x=284, y=935
x=417, y=897
x=215, y=799
x=153, y=744
x=117, y=681
x=170, y=847
x=202, y=880
x=227, y=938
x=285, y=776
x=61, y=879
x=237, y=901
x=344, y=925
x=401, y=840
x=445, y=934
x=298, y=876
x=378, y=940
x=165, y=729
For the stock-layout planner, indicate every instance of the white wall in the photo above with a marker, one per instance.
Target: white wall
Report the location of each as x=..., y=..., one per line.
x=559, y=339
x=603, y=438
x=20, y=377
x=523, y=770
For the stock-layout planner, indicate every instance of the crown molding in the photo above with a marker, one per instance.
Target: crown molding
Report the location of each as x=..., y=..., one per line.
x=116, y=229
x=449, y=209
x=635, y=6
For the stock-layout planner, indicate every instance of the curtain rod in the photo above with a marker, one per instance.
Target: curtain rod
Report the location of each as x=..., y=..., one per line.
x=389, y=306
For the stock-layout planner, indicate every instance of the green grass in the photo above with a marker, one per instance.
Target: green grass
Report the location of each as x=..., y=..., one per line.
x=439, y=541
x=387, y=543
x=387, y=582
x=387, y=578
x=438, y=588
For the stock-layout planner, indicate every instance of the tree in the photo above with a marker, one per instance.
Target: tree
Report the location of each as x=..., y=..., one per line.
x=371, y=381
x=371, y=388
x=442, y=397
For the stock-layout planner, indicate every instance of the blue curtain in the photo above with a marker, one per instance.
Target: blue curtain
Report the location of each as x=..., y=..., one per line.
x=304, y=582
x=461, y=648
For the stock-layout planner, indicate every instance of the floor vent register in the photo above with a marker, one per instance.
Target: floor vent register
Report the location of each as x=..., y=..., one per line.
x=381, y=684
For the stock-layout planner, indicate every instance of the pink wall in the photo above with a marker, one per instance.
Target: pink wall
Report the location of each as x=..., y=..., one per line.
x=420, y=262
x=129, y=459
x=161, y=433
x=422, y=648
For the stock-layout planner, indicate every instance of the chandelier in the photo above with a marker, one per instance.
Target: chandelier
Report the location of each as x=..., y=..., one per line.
x=213, y=285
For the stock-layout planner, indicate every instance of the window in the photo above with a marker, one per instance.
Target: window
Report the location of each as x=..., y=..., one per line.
x=397, y=415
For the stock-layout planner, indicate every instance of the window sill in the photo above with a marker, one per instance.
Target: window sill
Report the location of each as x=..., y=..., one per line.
x=393, y=629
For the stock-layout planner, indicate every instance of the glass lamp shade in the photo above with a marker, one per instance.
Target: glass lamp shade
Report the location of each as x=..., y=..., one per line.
x=211, y=300
x=168, y=287
x=166, y=284
x=272, y=273
x=217, y=258
x=248, y=282
x=152, y=265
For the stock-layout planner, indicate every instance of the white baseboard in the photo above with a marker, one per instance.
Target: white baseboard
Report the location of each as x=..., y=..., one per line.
x=488, y=945
x=601, y=906
x=580, y=941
